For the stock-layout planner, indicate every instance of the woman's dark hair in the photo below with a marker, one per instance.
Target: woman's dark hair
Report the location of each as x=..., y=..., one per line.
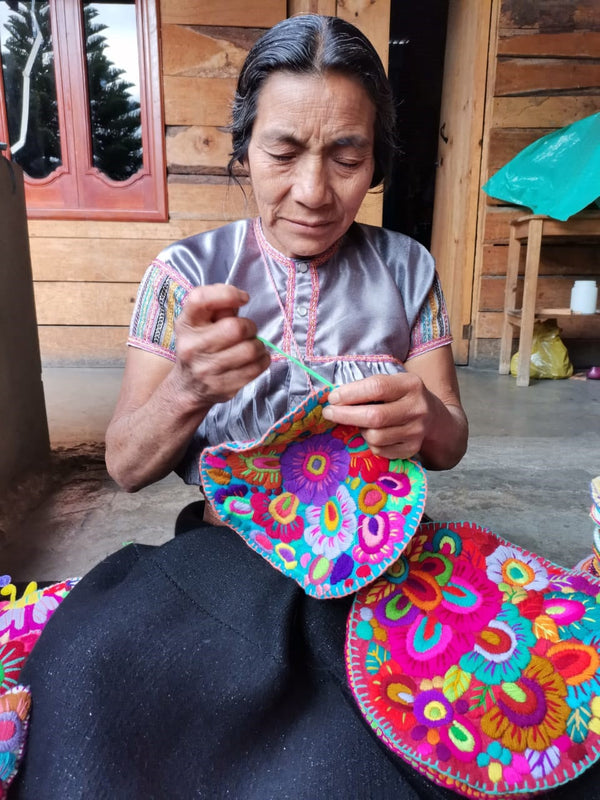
x=313, y=45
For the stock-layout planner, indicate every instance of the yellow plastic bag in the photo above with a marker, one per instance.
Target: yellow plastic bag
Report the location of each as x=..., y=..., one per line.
x=549, y=356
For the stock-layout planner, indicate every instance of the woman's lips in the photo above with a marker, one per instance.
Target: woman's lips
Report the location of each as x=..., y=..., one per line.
x=311, y=225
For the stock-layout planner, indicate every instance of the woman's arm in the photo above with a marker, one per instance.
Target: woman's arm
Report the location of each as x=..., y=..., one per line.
x=416, y=413
x=162, y=403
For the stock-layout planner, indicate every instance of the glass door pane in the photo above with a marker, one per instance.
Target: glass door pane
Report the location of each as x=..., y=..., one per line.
x=30, y=86
x=114, y=87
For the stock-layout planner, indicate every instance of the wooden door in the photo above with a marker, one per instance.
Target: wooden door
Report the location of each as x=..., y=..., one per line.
x=458, y=182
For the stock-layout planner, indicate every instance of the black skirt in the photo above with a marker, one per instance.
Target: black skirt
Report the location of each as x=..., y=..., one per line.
x=196, y=670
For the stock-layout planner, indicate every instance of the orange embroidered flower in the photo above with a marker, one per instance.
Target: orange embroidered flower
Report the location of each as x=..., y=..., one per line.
x=530, y=712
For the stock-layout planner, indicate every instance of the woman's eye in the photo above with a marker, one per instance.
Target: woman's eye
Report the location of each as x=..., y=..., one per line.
x=343, y=162
x=282, y=157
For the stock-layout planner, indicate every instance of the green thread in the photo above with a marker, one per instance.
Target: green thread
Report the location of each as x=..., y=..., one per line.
x=297, y=361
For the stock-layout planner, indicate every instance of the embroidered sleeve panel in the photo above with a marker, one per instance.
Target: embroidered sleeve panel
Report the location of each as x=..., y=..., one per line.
x=159, y=301
x=432, y=328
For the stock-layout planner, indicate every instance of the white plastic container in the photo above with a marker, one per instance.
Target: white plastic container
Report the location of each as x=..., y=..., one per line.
x=584, y=297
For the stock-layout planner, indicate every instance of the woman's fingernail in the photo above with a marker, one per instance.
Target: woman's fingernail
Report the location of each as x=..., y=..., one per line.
x=333, y=397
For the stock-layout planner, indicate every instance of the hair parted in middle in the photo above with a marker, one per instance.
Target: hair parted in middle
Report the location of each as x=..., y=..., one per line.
x=312, y=44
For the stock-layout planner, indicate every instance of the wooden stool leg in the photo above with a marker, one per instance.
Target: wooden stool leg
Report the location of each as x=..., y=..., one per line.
x=532, y=266
x=510, y=300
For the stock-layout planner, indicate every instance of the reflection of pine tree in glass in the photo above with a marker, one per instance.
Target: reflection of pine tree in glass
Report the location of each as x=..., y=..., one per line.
x=115, y=115
x=40, y=154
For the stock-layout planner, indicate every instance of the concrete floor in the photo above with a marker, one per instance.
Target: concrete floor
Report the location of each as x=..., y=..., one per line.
x=526, y=476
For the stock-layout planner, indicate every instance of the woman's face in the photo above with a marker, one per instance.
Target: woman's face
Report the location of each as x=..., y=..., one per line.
x=310, y=159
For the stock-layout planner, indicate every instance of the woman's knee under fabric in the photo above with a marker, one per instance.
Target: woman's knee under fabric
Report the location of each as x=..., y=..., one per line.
x=197, y=670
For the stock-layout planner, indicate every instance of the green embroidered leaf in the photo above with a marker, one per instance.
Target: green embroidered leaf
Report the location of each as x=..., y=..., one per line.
x=456, y=683
x=578, y=723
x=483, y=696
x=376, y=656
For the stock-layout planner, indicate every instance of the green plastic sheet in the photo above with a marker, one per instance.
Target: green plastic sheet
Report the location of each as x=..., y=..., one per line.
x=557, y=175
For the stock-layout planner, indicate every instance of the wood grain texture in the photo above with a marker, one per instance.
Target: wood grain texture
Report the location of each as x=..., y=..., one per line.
x=327, y=7
x=198, y=51
x=198, y=101
x=521, y=76
x=216, y=12
x=577, y=326
x=542, y=111
x=91, y=229
x=70, y=303
x=574, y=44
x=198, y=149
x=372, y=17
x=95, y=260
x=569, y=260
x=550, y=15
x=218, y=202
x=552, y=292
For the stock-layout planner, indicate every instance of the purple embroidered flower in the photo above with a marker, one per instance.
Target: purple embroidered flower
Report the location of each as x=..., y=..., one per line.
x=313, y=468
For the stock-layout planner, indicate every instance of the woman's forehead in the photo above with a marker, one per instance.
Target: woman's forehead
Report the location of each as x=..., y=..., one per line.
x=293, y=107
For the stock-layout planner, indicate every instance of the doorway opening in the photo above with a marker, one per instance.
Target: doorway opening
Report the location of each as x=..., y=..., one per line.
x=416, y=65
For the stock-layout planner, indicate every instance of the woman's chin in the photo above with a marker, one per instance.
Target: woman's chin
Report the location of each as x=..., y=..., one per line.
x=304, y=241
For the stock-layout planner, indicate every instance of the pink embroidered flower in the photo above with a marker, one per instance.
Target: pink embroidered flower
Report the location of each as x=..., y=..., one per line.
x=278, y=516
x=378, y=536
x=331, y=526
x=313, y=468
x=429, y=618
x=402, y=480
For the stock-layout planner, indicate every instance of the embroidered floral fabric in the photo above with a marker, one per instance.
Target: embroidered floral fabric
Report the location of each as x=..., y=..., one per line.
x=22, y=620
x=312, y=499
x=479, y=663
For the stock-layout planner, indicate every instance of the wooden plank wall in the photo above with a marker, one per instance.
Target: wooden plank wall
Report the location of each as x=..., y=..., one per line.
x=86, y=273
x=544, y=73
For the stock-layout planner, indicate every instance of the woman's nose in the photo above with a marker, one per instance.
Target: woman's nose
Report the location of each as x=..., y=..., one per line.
x=311, y=184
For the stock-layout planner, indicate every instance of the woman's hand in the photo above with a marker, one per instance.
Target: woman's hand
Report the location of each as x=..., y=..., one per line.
x=392, y=412
x=413, y=413
x=161, y=404
x=217, y=350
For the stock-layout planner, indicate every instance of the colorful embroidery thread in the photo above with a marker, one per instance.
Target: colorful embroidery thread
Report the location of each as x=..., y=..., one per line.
x=312, y=499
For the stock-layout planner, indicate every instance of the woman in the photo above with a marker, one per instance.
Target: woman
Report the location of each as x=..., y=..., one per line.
x=195, y=669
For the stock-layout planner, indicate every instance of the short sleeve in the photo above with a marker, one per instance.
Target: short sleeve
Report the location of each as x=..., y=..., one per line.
x=159, y=301
x=432, y=326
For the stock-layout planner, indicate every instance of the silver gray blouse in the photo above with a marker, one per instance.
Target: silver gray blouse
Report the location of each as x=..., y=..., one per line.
x=367, y=305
